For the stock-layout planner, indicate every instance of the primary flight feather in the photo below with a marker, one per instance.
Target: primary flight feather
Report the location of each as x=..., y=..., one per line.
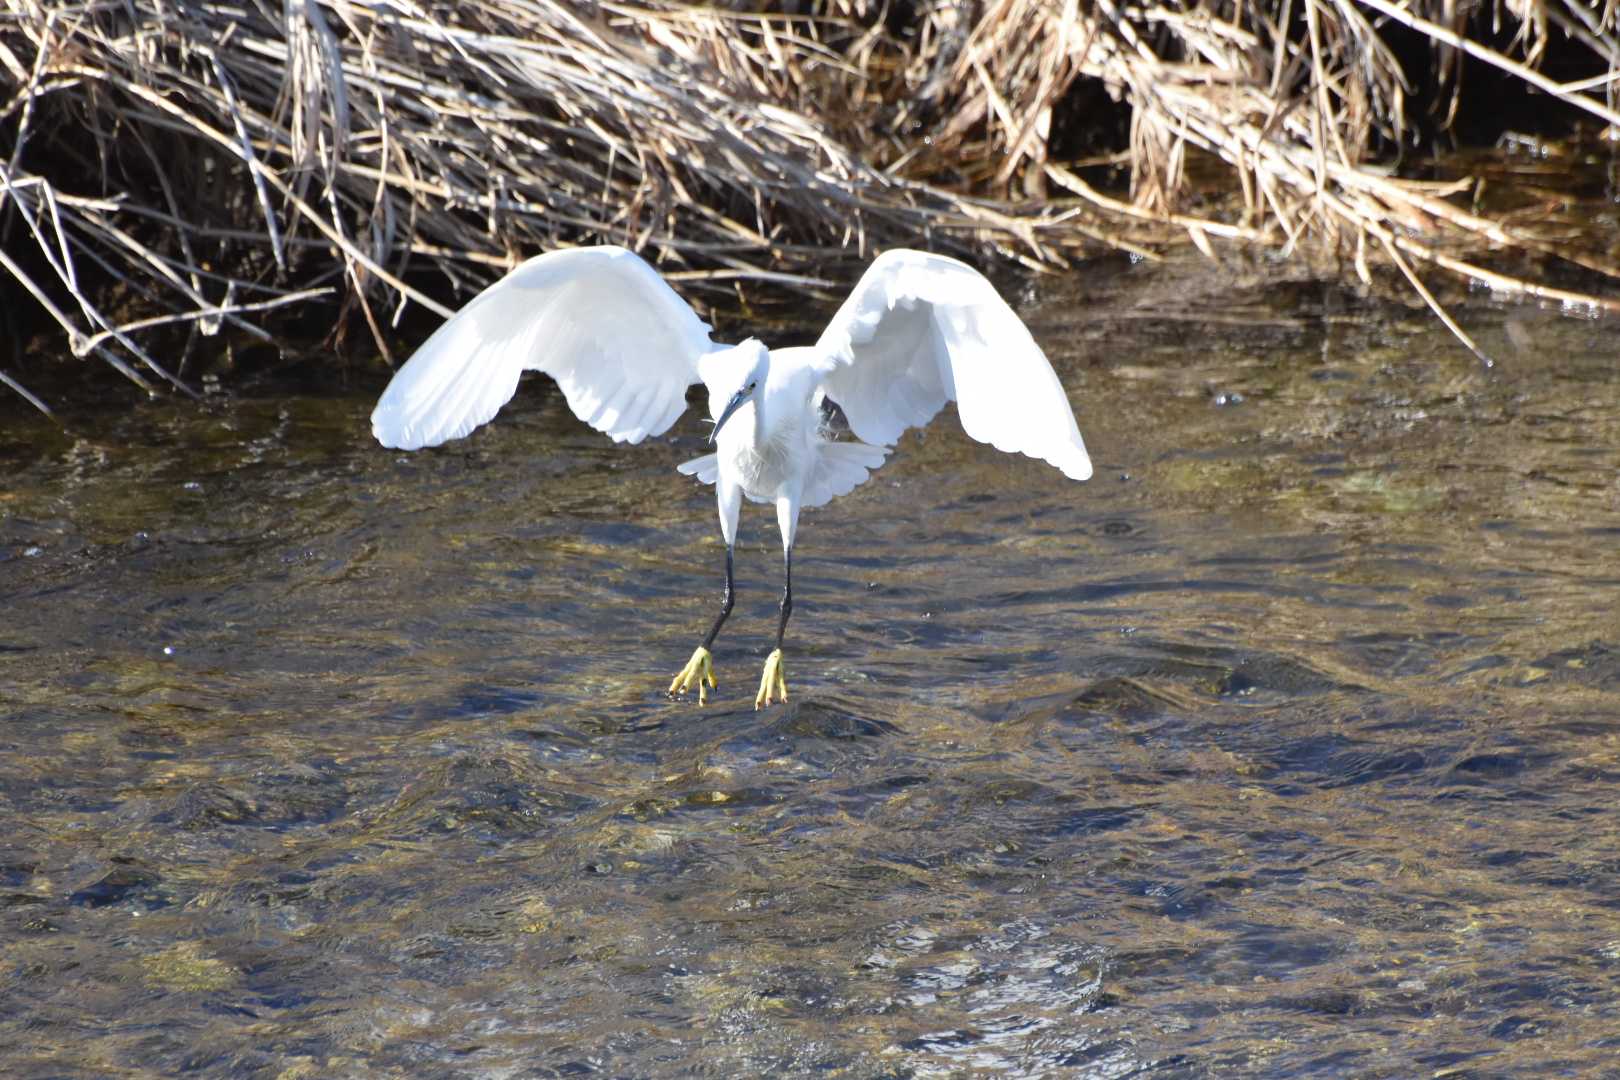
x=918, y=331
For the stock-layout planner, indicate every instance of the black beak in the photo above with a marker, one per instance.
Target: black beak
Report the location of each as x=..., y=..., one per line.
x=736, y=403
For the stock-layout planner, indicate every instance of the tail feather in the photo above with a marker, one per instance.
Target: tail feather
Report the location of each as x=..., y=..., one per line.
x=705, y=468
x=841, y=467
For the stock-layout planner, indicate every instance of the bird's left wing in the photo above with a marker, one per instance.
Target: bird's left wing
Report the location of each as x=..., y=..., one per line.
x=620, y=343
x=920, y=330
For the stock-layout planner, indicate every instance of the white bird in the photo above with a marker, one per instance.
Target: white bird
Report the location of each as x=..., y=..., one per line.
x=919, y=330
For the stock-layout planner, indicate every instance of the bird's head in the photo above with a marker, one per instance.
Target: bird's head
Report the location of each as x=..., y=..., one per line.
x=734, y=376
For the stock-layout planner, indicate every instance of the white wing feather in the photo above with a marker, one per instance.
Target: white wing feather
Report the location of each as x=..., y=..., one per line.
x=620, y=343
x=920, y=330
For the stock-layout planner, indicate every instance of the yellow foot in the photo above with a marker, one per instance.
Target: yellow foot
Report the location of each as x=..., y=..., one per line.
x=772, y=681
x=697, y=669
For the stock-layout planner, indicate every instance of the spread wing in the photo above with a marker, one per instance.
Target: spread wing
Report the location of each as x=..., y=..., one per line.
x=920, y=330
x=620, y=343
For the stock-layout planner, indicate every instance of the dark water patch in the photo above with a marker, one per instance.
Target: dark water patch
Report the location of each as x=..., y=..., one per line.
x=1086, y=589
x=1403, y=654
x=1178, y=901
x=275, y=797
x=1595, y=664
x=486, y=795
x=1159, y=675
x=1305, y=551
x=1496, y=765
x=1265, y=952
x=553, y=741
x=1333, y=761
x=1324, y=1002
x=824, y=718
x=206, y=805
x=1089, y=821
x=123, y=884
x=1476, y=665
x=480, y=701
x=1123, y=697
x=1279, y=676
x=1515, y=1028
x=1512, y=857
x=1116, y=528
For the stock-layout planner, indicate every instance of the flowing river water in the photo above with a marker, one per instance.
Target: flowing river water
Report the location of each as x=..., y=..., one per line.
x=1288, y=745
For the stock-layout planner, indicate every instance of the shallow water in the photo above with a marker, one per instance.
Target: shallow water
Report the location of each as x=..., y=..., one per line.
x=1286, y=746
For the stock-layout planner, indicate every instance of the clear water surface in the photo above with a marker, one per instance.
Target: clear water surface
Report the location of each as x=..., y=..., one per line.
x=1286, y=746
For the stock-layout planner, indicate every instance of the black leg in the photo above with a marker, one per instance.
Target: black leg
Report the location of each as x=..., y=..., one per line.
x=725, y=607
x=772, y=683
x=787, y=599
x=700, y=668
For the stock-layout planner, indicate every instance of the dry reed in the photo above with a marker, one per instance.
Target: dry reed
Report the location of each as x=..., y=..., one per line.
x=204, y=166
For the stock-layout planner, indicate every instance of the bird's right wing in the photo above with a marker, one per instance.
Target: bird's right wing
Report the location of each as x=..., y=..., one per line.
x=620, y=343
x=920, y=330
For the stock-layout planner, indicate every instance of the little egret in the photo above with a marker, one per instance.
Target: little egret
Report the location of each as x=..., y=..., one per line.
x=919, y=330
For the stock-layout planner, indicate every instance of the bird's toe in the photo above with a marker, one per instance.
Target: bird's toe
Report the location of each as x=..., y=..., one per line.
x=698, y=670
x=772, y=681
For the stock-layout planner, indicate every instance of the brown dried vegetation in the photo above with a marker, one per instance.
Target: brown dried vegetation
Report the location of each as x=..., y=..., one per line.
x=211, y=165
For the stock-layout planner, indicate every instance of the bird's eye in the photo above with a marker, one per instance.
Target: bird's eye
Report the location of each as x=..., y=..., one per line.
x=752, y=385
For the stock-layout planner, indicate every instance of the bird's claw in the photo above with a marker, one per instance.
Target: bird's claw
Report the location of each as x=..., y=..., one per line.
x=697, y=669
x=772, y=681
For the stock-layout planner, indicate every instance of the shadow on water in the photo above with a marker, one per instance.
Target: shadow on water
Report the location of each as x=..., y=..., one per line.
x=1286, y=746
